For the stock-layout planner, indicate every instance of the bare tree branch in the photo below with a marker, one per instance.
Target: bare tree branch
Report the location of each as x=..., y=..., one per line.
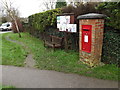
x=12, y=13
x=49, y=4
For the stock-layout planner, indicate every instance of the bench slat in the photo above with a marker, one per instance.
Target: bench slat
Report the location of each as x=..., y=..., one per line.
x=53, y=41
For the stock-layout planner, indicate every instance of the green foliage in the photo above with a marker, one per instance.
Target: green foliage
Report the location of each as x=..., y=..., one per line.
x=111, y=47
x=4, y=20
x=111, y=50
x=4, y=87
x=44, y=20
x=112, y=10
x=60, y=4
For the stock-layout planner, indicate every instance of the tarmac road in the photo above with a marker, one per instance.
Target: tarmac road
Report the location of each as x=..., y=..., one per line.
x=22, y=77
x=4, y=32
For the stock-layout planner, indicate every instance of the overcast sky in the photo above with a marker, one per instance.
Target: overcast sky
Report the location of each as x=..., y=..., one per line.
x=26, y=7
x=29, y=7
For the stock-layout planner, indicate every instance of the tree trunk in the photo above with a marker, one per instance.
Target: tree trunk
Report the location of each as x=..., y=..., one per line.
x=17, y=28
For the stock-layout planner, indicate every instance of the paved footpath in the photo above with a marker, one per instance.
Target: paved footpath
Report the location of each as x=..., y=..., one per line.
x=22, y=77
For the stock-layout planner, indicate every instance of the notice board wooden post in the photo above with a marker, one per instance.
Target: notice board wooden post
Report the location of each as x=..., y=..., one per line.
x=72, y=21
x=65, y=40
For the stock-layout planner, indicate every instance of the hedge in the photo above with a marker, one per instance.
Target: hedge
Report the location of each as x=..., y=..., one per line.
x=42, y=21
x=112, y=10
x=111, y=47
x=111, y=44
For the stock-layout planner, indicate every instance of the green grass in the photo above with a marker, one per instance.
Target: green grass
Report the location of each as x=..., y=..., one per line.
x=4, y=86
x=62, y=61
x=12, y=53
x=0, y=87
x=0, y=49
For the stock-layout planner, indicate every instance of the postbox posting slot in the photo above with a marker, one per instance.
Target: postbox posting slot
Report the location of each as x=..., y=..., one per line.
x=85, y=29
x=86, y=38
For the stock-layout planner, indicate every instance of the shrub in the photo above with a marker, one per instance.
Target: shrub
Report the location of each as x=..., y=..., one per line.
x=81, y=8
x=111, y=48
x=112, y=10
x=60, y=4
x=42, y=21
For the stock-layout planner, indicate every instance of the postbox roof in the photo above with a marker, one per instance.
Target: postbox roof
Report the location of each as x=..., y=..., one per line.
x=91, y=16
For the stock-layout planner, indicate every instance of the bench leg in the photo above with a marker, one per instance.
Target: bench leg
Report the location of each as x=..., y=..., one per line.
x=61, y=47
x=44, y=43
x=54, y=47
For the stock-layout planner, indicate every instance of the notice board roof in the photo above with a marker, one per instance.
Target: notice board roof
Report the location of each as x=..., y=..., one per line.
x=66, y=14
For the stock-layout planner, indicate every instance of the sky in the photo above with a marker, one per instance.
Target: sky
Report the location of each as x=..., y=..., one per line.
x=28, y=7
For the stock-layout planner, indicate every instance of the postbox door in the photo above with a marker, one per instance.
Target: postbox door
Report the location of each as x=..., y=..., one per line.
x=86, y=38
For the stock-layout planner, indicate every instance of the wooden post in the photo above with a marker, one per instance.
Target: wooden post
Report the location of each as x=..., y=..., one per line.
x=65, y=40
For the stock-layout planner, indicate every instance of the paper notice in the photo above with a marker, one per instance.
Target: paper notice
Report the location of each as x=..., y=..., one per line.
x=72, y=27
x=86, y=38
x=58, y=26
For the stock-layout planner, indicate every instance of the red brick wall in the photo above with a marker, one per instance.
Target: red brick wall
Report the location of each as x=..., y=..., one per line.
x=94, y=57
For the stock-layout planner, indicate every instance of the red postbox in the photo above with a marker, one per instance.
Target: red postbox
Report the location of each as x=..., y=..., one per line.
x=86, y=38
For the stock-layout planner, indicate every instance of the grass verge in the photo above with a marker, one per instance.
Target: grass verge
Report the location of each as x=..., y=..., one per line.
x=0, y=49
x=62, y=61
x=12, y=53
x=4, y=87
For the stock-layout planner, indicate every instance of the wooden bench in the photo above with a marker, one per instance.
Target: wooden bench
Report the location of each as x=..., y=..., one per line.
x=53, y=41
